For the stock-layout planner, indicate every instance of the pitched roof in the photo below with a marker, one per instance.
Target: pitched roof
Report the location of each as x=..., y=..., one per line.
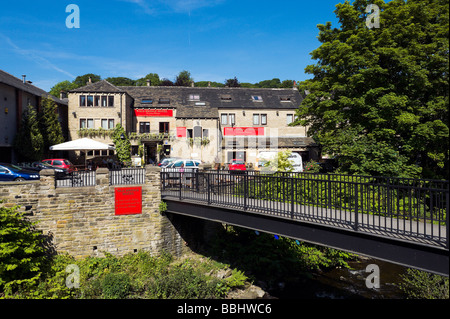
x=11, y=80
x=102, y=86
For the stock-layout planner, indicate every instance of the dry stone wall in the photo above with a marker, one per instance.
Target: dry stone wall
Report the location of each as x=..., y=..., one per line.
x=82, y=220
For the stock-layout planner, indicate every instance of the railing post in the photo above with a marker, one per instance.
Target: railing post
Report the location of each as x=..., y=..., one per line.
x=208, y=191
x=329, y=192
x=356, y=207
x=180, y=184
x=447, y=207
x=245, y=189
x=292, y=197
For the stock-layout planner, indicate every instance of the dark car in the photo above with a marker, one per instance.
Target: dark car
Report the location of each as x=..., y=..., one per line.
x=10, y=172
x=39, y=166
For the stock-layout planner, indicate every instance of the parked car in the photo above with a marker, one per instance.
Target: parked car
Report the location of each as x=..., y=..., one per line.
x=174, y=168
x=237, y=165
x=10, y=172
x=166, y=161
x=60, y=162
x=39, y=166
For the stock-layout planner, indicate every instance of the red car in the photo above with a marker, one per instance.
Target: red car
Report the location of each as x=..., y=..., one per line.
x=60, y=162
x=237, y=165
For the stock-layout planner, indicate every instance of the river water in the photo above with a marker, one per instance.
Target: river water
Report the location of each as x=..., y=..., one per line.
x=346, y=283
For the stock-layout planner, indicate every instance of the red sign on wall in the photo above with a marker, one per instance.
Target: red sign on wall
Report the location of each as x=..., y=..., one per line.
x=153, y=113
x=181, y=132
x=243, y=131
x=128, y=200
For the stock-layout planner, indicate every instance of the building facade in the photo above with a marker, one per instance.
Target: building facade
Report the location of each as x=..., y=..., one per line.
x=214, y=125
x=15, y=96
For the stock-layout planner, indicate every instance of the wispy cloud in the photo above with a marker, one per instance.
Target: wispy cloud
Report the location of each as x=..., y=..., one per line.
x=154, y=7
x=34, y=56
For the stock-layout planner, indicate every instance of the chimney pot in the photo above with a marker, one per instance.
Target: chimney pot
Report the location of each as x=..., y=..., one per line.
x=24, y=78
x=148, y=82
x=90, y=80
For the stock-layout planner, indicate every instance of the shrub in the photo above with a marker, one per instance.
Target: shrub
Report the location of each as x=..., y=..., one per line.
x=116, y=286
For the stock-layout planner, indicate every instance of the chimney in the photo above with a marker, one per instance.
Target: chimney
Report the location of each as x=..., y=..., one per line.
x=209, y=84
x=192, y=84
x=148, y=82
x=90, y=80
x=62, y=95
x=24, y=77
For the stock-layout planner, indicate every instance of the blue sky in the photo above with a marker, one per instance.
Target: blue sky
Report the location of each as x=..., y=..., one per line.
x=213, y=39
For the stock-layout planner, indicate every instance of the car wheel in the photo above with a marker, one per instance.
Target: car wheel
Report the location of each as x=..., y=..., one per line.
x=20, y=179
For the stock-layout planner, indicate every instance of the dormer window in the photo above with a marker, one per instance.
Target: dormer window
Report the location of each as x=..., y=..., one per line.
x=257, y=98
x=194, y=97
x=225, y=97
x=285, y=98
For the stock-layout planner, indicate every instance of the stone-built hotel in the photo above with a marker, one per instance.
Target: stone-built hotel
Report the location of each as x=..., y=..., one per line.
x=211, y=124
x=214, y=125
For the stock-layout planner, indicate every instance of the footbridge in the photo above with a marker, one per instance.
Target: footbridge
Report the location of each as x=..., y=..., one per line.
x=403, y=221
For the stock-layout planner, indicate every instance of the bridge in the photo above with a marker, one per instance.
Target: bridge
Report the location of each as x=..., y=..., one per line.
x=403, y=221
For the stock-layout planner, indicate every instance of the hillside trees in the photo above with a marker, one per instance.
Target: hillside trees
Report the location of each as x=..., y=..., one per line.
x=379, y=97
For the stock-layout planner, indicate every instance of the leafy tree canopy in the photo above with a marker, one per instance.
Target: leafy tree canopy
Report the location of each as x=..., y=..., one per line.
x=379, y=96
x=184, y=79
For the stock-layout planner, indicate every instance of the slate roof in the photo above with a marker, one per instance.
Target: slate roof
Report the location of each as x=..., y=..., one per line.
x=13, y=81
x=102, y=86
x=211, y=99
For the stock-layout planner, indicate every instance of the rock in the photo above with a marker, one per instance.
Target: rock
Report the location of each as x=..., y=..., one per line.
x=251, y=292
x=224, y=273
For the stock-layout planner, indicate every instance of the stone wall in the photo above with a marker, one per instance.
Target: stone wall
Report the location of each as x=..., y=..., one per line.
x=82, y=220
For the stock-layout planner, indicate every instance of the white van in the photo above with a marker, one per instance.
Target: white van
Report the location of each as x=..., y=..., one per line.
x=294, y=158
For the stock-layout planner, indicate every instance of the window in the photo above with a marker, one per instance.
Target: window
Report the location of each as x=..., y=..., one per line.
x=111, y=101
x=190, y=133
x=263, y=119
x=194, y=97
x=111, y=124
x=205, y=133
x=147, y=101
x=104, y=124
x=86, y=123
x=164, y=127
x=224, y=119
x=225, y=97
x=189, y=163
x=96, y=100
x=289, y=118
x=255, y=119
x=90, y=100
x=164, y=101
x=257, y=98
x=82, y=100
x=232, y=119
x=285, y=98
x=104, y=101
x=228, y=119
x=144, y=127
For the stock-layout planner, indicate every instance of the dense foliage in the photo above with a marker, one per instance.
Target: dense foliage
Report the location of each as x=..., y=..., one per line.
x=122, y=144
x=378, y=99
x=29, y=142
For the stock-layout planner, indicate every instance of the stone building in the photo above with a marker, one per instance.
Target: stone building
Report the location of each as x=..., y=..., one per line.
x=212, y=124
x=15, y=95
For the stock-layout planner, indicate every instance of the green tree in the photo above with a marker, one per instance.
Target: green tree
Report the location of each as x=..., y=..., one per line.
x=153, y=77
x=22, y=252
x=29, y=142
x=232, y=83
x=82, y=80
x=50, y=127
x=184, y=79
x=379, y=97
x=62, y=86
x=121, y=81
x=122, y=144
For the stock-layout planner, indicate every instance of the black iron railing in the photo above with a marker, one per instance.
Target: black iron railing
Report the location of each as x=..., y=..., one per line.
x=75, y=179
x=405, y=208
x=126, y=176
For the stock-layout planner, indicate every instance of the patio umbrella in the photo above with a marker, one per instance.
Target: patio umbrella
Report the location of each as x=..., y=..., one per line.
x=82, y=144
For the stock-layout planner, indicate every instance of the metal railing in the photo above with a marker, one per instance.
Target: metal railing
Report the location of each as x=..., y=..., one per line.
x=127, y=176
x=400, y=207
x=75, y=179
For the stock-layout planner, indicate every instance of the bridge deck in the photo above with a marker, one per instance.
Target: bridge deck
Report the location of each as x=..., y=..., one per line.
x=417, y=231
